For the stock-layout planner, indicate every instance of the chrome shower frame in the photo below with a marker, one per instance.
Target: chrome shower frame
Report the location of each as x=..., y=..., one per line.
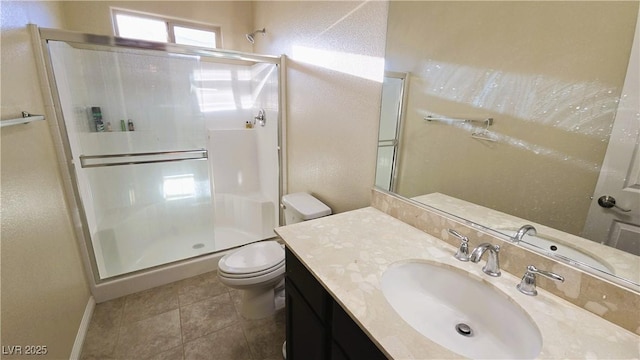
x=106, y=289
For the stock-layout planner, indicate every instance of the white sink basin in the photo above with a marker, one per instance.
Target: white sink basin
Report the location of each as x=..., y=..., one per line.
x=552, y=247
x=435, y=299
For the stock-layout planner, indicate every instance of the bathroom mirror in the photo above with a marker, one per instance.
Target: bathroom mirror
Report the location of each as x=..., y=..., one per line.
x=507, y=116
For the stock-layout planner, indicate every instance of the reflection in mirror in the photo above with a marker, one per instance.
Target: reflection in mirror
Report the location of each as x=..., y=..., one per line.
x=393, y=90
x=560, y=81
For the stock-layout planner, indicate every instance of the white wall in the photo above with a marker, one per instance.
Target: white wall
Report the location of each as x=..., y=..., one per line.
x=44, y=291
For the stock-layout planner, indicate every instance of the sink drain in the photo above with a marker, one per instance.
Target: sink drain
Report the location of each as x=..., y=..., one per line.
x=198, y=246
x=464, y=329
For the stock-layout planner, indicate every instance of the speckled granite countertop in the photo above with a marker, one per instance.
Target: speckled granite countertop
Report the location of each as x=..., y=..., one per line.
x=348, y=253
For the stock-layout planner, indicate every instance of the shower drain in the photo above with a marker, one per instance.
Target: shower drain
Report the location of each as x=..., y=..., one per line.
x=464, y=329
x=198, y=246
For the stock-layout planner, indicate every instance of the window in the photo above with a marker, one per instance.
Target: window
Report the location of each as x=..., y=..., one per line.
x=156, y=28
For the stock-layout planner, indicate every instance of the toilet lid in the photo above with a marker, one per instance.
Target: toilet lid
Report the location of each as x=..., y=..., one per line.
x=278, y=269
x=253, y=258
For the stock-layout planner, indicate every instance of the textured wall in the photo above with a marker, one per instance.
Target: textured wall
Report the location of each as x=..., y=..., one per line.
x=332, y=124
x=44, y=291
x=538, y=69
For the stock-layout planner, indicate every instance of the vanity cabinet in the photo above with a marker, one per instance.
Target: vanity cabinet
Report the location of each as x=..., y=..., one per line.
x=317, y=326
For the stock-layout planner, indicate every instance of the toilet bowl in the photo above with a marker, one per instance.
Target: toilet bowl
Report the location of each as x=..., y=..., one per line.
x=255, y=269
x=258, y=268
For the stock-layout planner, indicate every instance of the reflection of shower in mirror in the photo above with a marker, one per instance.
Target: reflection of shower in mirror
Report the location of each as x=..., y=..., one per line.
x=251, y=37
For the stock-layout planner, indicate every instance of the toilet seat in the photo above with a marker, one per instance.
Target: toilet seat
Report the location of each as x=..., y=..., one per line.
x=253, y=260
x=251, y=274
x=267, y=279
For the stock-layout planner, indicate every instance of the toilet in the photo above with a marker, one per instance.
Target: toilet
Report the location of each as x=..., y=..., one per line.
x=258, y=268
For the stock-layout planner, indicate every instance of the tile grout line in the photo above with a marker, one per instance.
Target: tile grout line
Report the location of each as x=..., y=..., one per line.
x=120, y=324
x=152, y=316
x=244, y=333
x=242, y=325
x=239, y=321
x=184, y=353
x=179, y=320
x=180, y=306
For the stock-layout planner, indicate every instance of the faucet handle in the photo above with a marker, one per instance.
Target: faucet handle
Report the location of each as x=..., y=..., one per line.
x=528, y=283
x=463, y=251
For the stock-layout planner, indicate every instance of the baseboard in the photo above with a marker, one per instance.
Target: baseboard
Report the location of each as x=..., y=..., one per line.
x=83, y=329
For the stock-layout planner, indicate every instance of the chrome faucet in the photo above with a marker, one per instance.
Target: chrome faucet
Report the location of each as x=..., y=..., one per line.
x=463, y=251
x=525, y=229
x=492, y=267
x=528, y=284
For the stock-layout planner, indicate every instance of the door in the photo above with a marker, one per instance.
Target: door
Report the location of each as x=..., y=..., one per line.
x=619, y=226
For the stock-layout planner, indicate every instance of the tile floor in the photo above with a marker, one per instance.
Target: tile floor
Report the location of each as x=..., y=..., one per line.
x=196, y=318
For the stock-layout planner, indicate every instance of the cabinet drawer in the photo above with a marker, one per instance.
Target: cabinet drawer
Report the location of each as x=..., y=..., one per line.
x=312, y=291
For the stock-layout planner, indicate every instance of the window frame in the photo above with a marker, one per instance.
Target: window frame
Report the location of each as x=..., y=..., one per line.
x=170, y=24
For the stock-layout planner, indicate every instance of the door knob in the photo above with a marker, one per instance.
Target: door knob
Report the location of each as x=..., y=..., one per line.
x=608, y=202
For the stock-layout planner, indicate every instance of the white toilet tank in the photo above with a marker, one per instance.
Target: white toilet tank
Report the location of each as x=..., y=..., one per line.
x=301, y=206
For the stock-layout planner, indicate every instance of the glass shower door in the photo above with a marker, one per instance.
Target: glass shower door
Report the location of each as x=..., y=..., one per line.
x=158, y=211
x=138, y=143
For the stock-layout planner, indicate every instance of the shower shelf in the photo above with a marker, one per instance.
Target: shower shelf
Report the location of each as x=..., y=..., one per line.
x=25, y=119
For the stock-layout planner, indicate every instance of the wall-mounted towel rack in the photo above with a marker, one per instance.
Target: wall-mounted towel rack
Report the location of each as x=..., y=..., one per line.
x=25, y=119
x=480, y=135
x=483, y=135
x=487, y=121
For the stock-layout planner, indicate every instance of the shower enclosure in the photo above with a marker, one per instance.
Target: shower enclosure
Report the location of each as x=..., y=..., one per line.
x=166, y=157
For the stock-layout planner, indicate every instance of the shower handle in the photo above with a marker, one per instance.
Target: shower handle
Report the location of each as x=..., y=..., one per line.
x=261, y=118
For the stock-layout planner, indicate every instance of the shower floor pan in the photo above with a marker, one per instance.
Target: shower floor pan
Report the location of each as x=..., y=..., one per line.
x=171, y=248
